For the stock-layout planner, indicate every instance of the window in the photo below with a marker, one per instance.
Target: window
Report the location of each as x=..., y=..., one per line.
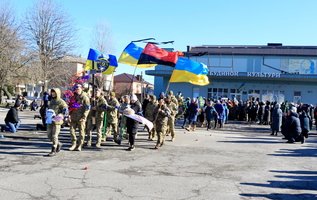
x=297, y=96
x=209, y=94
x=297, y=93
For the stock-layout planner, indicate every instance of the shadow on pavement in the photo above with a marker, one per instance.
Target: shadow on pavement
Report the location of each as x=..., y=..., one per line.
x=302, y=152
x=291, y=180
x=275, y=196
x=252, y=140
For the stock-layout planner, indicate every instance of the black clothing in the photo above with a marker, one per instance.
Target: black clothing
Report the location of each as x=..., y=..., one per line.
x=292, y=130
x=132, y=125
x=12, y=116
x=304, y=122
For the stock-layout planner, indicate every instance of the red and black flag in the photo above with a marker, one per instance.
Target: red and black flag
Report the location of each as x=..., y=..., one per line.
x=153, y=54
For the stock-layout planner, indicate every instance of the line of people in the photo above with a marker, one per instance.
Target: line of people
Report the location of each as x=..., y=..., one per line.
x=108, y=116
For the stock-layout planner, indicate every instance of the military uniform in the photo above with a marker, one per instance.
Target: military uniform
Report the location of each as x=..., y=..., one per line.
x=96, y=117
x=123, y=119
x=148, y=114
x=161, y=114
x=59, y=107
x=78, y=120
x=171, y=119
x=112, y=117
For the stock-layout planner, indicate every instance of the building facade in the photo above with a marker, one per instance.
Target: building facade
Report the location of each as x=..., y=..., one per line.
x=127, y=83
x=273, y=72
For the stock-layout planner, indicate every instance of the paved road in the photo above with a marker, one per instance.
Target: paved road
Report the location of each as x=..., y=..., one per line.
x=239, y=162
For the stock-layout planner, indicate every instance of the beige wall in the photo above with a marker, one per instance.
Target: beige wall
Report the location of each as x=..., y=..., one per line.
x=124, y=88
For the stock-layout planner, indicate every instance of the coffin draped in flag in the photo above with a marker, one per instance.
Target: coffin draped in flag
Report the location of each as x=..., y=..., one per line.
x=153, y=54
x=131, y=55
x=190, y=71
x=113, y=64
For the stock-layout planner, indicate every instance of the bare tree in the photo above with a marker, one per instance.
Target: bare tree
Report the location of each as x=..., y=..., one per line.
x=102, y=41
x=102, y=38
x=12, y=52
x=50, y=34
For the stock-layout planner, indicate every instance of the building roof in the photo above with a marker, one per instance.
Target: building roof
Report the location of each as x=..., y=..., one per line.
x=127, y=78
x=276, y=49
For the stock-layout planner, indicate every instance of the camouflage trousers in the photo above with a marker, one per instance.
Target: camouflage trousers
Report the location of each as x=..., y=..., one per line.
x=160, y=132
x=81, y=126
x=89, y=128
x=52, y=133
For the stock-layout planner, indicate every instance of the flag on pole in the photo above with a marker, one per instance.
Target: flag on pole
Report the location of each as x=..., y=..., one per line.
x=131, y=55
x=113, y=64
x=190, y=71
x=93, y=56
x=153, y=54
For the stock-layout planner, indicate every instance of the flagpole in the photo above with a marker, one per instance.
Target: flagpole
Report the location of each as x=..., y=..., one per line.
x=93, y=94
x=168, y=84
x=131, y=85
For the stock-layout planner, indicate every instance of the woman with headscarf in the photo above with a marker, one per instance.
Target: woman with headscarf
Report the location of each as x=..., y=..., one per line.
x=132, y=125
x=277, y=115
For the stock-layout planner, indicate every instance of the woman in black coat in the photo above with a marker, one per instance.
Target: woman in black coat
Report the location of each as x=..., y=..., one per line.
x=293, y=128
x=131, y=124
x=305, y=123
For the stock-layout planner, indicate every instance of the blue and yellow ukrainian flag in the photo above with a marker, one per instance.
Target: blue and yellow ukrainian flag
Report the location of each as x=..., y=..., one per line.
x=93, y=56
x=131, y=55
x=190, y=71
x=113, y=64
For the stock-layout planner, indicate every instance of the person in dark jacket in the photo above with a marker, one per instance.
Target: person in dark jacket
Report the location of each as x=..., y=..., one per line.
x=131, y=124
x=266, y=113
x=293, y=128
x=12, y=119
x=220, y=113
x=186, y=111
x=277, y=115
x=305, y=124
x=211, y=114
x=192, y=116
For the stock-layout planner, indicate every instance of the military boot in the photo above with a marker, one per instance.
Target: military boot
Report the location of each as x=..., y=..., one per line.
x=89, y=143
x=188, y=128
x=52, y=153
x=59, y=147
x=72, y=148
x=194, y=127
x=98, y=145
x=79, y=147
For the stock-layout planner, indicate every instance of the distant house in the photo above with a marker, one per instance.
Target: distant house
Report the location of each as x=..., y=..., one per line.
x=74, y=65
x=124, y=83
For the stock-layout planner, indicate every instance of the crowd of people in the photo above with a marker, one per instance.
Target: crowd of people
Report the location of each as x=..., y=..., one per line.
x=108, y=116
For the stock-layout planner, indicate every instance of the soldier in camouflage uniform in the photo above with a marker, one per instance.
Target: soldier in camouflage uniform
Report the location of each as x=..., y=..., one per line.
x=161, y=114
x=112, y=117
x=59, y=107
x=171, y=119
x=123, y=119
x=148, y=114
x=96, y=117
x=78, y=117
x=173, y=98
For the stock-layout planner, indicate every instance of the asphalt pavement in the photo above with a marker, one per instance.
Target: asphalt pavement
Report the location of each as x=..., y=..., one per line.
x=240, y=161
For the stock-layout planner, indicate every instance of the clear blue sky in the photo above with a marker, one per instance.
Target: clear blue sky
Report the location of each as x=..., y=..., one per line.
x=191, y=22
